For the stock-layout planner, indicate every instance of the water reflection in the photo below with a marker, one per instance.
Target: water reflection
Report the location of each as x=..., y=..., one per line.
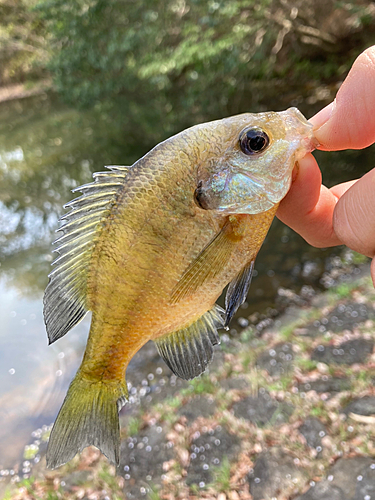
x=33, y=376
x=46, y=150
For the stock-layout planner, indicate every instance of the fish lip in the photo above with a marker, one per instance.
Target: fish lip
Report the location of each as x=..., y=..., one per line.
x=297, y=124
x=314, y=143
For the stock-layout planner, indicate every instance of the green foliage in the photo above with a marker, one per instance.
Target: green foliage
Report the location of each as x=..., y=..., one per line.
x=221, y=473
x=203, y=385
x=23, y=44
x=359, y=259
x=183, y=61
x=108, y=477
x=134, y=426
x=307, y=364
x=153, y=493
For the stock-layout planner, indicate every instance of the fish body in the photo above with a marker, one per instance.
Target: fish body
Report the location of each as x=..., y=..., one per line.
x=149, y=248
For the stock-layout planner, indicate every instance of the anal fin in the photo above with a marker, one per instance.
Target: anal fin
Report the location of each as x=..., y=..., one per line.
x=188, y=351
x=237, y=291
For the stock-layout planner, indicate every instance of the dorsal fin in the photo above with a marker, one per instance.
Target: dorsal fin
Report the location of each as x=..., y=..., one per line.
x=237, y=291
x=188, y=351
x=65, y=295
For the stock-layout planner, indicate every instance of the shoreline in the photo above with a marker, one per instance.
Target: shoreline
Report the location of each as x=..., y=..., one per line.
x=287, y=412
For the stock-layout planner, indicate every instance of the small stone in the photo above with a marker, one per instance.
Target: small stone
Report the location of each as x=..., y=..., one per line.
x=322, y=368
x=234, y=383
x=277, y=360
x=313, y=431
x=343, y=317
x=199, y=406
x=323, y=491
x=148, y=460
x=274, y=474
x=362, y=406
x=346, y=353
x=76, y=478
x=210, y=448
x=334, y=384
x=343, y=481
x=262, y=409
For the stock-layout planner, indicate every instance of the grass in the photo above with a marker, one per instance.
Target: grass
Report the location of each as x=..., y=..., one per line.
x=195, y=489
x=359, y=259
x=202, y=385
x=247, y=334
x=287, y=332
x=221, y=482
x=36, y=491
x=307, y=365
x=153, y=494
x=108, y=477
x=134, y=426
x=283, y=383
x=343, y=291
x=319, y=411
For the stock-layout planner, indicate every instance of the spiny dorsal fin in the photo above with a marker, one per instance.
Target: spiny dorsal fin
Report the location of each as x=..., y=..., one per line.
x=65, y=295
x=188, y=351
x=237, y=291
x=212, y=259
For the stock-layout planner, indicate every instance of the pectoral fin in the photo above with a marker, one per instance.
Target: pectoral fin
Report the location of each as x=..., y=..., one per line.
x=188, y=351
x=212, y=259
x=237, y=292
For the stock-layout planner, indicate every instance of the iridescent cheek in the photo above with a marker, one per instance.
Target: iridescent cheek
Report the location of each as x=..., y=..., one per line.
x=219, y=181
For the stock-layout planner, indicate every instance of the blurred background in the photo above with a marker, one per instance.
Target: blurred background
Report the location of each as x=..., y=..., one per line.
x=88, y=83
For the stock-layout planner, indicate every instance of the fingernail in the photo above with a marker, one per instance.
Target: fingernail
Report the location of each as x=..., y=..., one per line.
x=323, y=116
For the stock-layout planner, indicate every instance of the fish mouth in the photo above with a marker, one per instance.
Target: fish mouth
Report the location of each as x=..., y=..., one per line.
x=300, y=129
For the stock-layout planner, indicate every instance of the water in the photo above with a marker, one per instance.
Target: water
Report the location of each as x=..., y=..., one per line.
x=46, y=150
x=33, y=376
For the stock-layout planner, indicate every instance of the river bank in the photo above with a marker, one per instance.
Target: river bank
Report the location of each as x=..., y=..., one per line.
x=286, y=411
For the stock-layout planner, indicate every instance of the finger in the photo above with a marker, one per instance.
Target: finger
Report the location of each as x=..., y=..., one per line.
x=340, y=189
x=354, y=216
x=349, y=122
x=308, y=207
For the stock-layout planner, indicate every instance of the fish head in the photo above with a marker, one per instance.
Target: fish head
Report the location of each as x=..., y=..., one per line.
x=251, y=172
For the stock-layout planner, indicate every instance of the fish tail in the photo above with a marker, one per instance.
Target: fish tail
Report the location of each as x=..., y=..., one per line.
x=88, y=416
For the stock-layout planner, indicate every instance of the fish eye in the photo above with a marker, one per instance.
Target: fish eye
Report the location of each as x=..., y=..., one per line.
x=253, y=141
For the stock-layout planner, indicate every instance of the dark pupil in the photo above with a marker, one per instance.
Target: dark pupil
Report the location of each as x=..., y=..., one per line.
x=253, y=141
x=256, y=143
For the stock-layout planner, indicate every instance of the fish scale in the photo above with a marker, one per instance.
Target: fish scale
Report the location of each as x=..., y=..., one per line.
x=149, y=248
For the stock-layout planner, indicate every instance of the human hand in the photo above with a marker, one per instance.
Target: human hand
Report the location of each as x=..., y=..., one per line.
x=344, y=214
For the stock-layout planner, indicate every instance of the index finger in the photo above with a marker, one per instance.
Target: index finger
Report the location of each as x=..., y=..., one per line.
x=349, y=121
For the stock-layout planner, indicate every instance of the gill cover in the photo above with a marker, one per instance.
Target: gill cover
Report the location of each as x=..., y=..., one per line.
x=251, y=181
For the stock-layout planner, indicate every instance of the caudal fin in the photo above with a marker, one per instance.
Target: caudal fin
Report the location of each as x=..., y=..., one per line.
x=88, y=416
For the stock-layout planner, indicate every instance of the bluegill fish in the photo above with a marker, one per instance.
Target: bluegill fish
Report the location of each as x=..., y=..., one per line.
x=149, y=248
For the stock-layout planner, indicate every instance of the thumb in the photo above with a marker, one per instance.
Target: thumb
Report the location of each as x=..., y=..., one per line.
x=349, y=121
